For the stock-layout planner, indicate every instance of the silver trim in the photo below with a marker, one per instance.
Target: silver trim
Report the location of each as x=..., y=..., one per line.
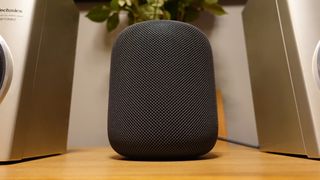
x=290, y=71
x=316, y=64
x=9, y=69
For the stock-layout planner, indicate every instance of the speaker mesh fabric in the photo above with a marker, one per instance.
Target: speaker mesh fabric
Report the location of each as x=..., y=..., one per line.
x=162, y=94
x=2, y=66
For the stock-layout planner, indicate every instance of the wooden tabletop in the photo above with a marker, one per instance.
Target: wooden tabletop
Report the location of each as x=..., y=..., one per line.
x=226, y=161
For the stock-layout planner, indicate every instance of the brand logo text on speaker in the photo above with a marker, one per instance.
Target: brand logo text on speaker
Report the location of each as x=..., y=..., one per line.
x=11, y=10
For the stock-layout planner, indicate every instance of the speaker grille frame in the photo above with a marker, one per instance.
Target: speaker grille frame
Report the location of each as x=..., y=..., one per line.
x=6, y=68
x=162, y=100
x=317, y=64
x=2, y=66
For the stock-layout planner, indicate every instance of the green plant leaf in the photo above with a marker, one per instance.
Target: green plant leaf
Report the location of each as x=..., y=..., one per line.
x=156, y=3
x=187, y=3
x=121, y=3
x=215, y=9
x=142, y=10
x=129, y=3
x=166, y=15
x=113, y=22
x=115, y=5
x=99, y=13
x=211, y=1
x=150, y=12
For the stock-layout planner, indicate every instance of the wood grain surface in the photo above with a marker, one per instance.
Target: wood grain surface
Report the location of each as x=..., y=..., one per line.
x=226, y=161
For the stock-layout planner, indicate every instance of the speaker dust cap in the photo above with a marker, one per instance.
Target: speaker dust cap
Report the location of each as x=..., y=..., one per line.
x=5, y=68
x=162, y=93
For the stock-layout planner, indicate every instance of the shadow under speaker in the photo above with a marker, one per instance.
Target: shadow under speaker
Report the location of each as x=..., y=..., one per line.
x=162, y=101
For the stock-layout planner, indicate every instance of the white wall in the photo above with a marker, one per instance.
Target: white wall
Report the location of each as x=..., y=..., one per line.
x=232, y=73
x=88, y=121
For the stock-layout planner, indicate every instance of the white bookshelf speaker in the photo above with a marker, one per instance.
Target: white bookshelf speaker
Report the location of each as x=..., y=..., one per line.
x=282, y=39
x=37, y=53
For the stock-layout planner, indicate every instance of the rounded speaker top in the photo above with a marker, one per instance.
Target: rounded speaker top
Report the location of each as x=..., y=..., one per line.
x=161, y=37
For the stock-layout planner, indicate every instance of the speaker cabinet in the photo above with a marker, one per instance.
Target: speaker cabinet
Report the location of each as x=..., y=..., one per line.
x=282, y=39
x=162, y=94
x=37, y=52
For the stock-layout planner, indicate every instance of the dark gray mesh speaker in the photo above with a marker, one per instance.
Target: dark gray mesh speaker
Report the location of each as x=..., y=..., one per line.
x=2, y=66
x=162, y=95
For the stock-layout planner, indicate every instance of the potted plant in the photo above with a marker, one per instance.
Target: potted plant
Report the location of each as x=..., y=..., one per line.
x=143, y=10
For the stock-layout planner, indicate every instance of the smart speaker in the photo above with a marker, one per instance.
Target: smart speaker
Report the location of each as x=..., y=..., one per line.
x=37, y=53
x=282, y=39
x=162, y=100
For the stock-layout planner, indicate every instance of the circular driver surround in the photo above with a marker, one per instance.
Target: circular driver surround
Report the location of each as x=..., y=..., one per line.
x=2, y=66
x=316, y=64
x=6, y=68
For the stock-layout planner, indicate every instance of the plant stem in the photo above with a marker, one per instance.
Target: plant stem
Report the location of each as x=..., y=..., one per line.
x=136, y=6
x=155, y=10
